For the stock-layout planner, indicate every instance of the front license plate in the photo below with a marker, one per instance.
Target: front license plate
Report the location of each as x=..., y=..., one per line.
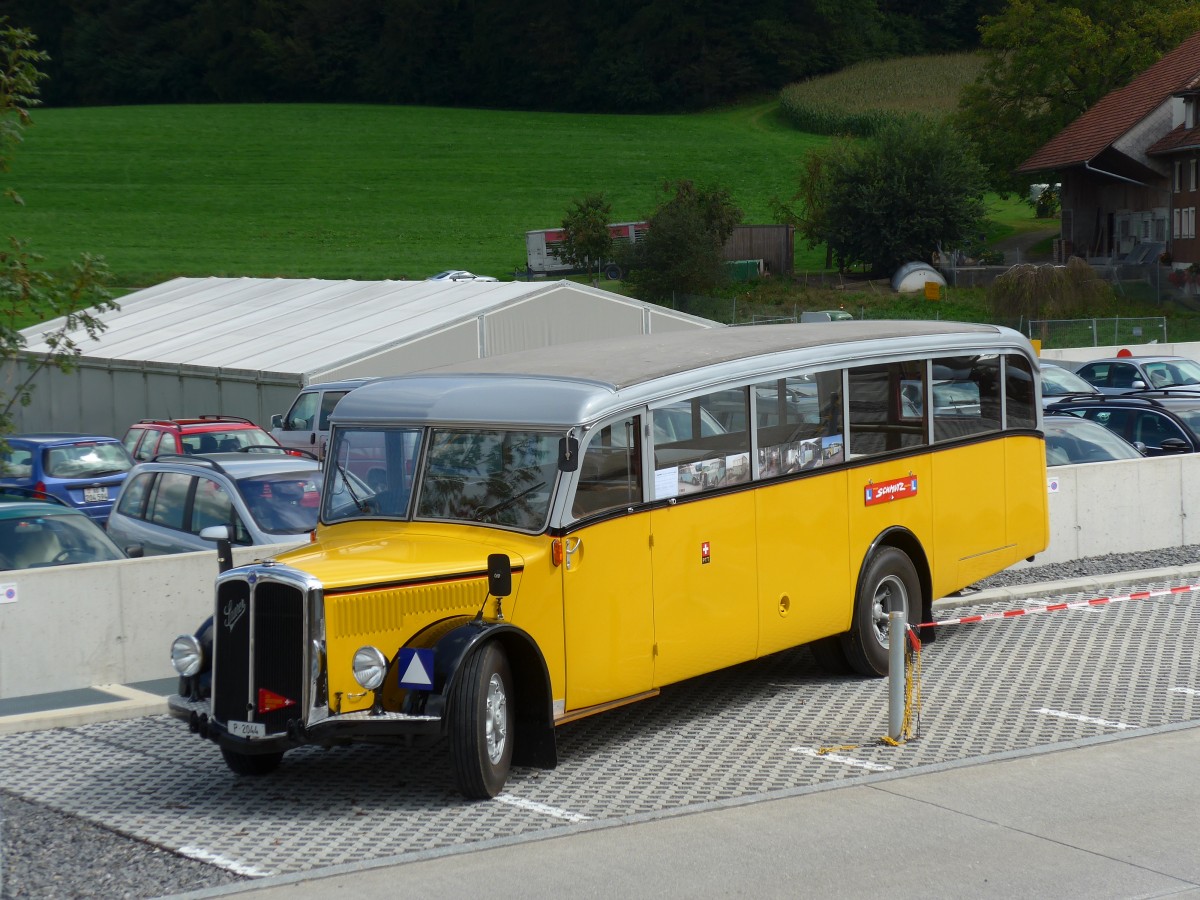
x=95, y=495
x=247, y=729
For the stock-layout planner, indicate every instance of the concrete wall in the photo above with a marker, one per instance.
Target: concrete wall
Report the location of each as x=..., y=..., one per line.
x=103, y=623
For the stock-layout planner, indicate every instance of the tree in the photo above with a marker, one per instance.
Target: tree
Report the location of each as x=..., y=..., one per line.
x=1048, y=61
x=892, y=198
x=28, y=294
x=682, y=249
x=587, y=242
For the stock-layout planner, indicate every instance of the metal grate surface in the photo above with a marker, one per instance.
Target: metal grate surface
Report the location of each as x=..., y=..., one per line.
x=1008, y=685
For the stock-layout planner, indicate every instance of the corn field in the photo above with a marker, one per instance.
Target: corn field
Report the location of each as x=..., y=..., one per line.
x=850, y=102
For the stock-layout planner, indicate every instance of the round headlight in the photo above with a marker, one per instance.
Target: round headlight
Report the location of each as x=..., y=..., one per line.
x=187, y=656
x=370, y=667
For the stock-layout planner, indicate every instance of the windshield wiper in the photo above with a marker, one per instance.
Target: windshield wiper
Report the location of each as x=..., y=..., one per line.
x=359, y=503
x=484, y=511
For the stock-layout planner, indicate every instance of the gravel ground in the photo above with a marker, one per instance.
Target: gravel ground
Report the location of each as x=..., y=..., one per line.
x=1094, y=566
x=46, y=854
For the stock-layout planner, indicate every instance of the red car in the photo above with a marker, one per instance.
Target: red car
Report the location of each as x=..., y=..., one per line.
x=207, y=434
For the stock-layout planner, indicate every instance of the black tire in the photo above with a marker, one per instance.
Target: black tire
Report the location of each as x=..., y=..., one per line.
x=613, y=272
x=830, y=655
x=889, y=582
x=254, y=764
x=480, y=722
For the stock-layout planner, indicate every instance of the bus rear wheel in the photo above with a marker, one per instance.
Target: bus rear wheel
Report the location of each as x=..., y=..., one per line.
x=889, y=583
x=480, y=724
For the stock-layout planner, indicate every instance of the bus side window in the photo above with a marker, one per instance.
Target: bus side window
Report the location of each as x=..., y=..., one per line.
x=1020, y=399
x=966, y=396
x=610, y=470
x=883, y=416
x=799, y=423
x=703, y=442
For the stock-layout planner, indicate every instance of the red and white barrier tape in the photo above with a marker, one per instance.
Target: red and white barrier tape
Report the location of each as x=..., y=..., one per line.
x=1055, y=607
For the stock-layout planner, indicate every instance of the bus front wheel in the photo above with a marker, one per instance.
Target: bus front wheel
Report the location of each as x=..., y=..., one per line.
x=480, y=723
x=889, y=583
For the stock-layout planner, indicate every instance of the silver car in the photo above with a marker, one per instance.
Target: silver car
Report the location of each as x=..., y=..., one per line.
x=1121, y=374
x=166, y=504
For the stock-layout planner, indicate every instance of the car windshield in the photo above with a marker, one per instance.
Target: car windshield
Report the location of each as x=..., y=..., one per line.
x=1058, y=382
x=34, y=541
x=1172, y=372
x=89, y=459
x=489, y=476
x=283, y=502
x=1071, y=440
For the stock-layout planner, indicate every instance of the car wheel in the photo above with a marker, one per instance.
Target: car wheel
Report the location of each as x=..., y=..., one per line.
x=480, y=723
x=889, y=582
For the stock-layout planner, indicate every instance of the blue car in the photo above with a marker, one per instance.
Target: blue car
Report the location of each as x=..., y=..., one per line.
x=85, y=471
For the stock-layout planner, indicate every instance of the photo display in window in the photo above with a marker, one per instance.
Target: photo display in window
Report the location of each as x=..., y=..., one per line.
x=799, y=422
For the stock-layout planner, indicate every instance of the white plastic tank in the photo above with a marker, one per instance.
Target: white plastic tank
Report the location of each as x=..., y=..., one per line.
x=911, y=277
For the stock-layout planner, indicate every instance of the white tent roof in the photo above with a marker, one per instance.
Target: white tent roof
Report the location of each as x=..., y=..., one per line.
x=297, y=325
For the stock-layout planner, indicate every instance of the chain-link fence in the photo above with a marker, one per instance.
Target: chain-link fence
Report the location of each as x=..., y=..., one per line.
x=1097, y=332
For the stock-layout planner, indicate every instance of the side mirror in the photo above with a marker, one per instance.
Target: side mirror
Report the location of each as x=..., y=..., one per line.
x=499, y=574
x=1138, y=385
x=277, y=420
x=568, y=454
x=135, y=551
x=1175, y=445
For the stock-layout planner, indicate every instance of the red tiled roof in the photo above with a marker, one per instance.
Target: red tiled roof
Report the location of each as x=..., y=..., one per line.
x=1118, y=111
x=1174, y=141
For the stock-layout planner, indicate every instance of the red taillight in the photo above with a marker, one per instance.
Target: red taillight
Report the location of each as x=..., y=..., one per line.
x=40, y=491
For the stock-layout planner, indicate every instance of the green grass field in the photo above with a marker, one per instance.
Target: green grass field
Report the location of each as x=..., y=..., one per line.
x=361, y=191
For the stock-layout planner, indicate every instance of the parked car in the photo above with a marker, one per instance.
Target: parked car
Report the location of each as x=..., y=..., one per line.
x=1119, y=374
x=459, y=275
x=85, y=471
x=47, y=532
x=168, y=503
x=1059, y=382
x=1071, y=440
x=306, y=425
x=1164, y=422
x=206, y=434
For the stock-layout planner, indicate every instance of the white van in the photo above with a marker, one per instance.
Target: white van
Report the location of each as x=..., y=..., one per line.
x=306, y=425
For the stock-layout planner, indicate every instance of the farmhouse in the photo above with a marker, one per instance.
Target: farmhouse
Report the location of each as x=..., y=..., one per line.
x=244, y=346
x=1128, y=166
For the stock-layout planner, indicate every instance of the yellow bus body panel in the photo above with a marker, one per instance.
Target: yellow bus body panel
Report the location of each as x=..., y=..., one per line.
x=608, y=611
x=804, y=572
x=704, y=605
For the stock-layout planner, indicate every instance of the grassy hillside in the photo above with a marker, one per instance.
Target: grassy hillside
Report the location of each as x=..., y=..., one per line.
x=361, y=191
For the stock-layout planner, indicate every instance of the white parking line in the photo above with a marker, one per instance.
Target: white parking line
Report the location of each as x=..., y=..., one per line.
x=534, y=806
x=844, y=760
x=1088, y=719
x=229, y=865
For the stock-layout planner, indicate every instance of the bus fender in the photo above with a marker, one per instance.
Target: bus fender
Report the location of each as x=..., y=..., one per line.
x=453, y=640
x=904, y=540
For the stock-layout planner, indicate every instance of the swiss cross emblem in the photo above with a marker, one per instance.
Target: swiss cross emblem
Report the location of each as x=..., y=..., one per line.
x=705, y=555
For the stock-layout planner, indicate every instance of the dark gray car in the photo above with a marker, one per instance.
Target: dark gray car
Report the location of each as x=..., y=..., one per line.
x=262, y=498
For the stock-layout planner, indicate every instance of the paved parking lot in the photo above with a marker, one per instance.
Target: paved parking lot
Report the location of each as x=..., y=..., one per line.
x=746, y=734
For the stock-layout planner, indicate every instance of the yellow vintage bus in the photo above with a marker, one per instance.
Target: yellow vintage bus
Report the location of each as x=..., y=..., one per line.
x=509, y=544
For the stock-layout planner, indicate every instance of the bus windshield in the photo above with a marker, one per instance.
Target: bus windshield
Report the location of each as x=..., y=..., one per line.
x=488, y=476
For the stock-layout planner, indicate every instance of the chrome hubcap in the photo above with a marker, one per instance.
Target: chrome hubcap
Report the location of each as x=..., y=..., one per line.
x=495, y=723
x=890, y=596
